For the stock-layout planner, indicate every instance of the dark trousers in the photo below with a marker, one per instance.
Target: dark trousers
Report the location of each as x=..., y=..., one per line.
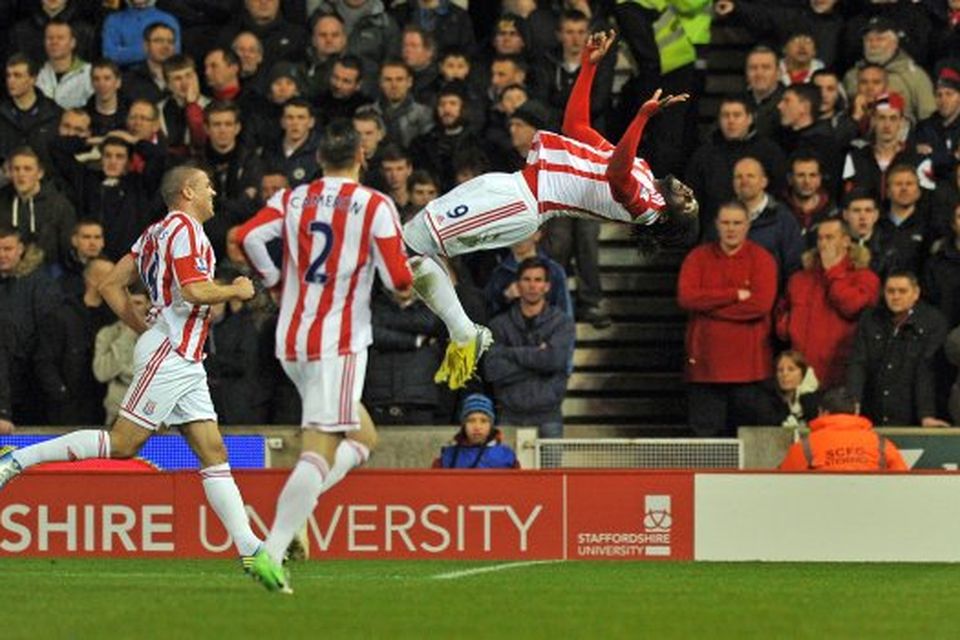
x=716, y=410
x=578, y=238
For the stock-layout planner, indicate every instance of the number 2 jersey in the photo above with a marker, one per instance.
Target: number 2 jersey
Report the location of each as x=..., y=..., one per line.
x=335, y=232
x=171, y=254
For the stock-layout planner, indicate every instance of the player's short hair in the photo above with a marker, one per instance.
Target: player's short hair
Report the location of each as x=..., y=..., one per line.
x=422, y=176
x=221, y=106
x=21, y=58
x=429, y=42
x=300, y=102
x=809, y=93
x=86, y=222
x=173, y=182
x=116, y=141
x=153, y=26
x=369, y=113
x=106, y=63
x=350, y=61
x=178, y=62
x=803, y=155
x=902, y=167
x=838, y=400
x=10, y=232
x=393, y=152
x=859, y=194
x=229, y=55
x=25, y=151
x=533, y=263
x=339, y=144
x=903, y=273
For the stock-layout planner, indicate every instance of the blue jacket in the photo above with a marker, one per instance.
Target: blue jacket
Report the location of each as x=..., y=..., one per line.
x=529, y=380
x=123, y=33
x=492, y=455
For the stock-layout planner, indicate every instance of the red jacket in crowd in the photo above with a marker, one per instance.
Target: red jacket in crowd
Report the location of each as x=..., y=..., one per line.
x=819, y=312
x=843, y=442
x=728, y=340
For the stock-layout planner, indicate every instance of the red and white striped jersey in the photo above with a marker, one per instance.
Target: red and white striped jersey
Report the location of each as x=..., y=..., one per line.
x=171, y=254
x=334, y=233
x=571, y=179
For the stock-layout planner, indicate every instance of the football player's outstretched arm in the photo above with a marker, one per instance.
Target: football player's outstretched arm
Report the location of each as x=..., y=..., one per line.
x=624, y=186
x=576, y=117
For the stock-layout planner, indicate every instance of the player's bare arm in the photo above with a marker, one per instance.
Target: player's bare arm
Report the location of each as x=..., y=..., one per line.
x=114, y=291
x=659, y=102
x=208, y=292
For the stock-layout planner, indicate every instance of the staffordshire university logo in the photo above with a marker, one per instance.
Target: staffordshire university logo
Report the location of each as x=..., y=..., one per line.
x=652, y=539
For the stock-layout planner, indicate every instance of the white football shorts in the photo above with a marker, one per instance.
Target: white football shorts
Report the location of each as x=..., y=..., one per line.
x=330, y=389
x=166, y=388
x=490, y=211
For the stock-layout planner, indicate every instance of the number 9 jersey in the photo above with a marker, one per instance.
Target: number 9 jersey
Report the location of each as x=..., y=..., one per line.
x=334, y=233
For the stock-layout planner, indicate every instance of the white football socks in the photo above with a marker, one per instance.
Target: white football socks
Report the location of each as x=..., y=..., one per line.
x=78, y=445
x=433, y=286
x=224, y=496
x=350, y=454
x=296, y=503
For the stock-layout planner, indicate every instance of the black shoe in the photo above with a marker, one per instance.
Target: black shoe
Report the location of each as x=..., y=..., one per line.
x=595, y=317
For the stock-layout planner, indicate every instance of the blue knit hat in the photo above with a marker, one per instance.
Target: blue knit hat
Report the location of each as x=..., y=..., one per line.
x=477, y=402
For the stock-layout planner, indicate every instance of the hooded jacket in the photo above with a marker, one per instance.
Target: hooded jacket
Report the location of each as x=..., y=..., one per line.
x=819, y=313
x=843, y=442
x=46, y=219
x=775, y=409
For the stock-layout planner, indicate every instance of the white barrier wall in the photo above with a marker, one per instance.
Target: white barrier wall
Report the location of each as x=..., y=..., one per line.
x=787, y=517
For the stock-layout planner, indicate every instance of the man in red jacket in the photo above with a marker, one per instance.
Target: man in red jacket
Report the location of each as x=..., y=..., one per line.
x=842, y=440
x=819, y=313
x=729, y=287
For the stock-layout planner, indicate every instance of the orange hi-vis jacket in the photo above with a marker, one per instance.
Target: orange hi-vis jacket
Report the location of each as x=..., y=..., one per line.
x=843, y=442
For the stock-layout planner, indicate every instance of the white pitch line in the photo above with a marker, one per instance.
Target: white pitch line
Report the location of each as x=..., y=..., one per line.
x=453, y=575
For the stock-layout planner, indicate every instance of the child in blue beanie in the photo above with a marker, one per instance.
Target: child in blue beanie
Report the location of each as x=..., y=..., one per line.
x=478, y=443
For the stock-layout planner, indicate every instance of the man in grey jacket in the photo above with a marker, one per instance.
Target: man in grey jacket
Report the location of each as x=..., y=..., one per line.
x=527, y=363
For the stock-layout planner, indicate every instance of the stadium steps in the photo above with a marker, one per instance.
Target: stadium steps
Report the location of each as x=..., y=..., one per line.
x=627, y=378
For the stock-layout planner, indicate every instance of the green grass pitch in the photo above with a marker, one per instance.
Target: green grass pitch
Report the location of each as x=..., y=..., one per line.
x=173, y=599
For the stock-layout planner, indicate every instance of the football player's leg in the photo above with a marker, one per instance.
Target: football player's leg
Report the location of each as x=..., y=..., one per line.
x=218, y=484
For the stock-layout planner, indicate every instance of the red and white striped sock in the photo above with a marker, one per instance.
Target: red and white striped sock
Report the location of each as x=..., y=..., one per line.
x=296, y=503
x=79, y=445
x=350, y=454
x=224, y=496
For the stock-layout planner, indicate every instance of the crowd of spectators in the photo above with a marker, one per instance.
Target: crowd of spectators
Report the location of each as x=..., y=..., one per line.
x=829, y=190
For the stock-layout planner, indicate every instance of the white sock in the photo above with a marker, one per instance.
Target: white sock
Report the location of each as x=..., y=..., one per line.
x=350, y=454
x=433, y=285
x=79, y=445
x=296, y=503
x=224, y=496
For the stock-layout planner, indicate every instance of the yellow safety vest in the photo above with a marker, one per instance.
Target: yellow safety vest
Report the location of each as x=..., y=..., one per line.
x=681, y=25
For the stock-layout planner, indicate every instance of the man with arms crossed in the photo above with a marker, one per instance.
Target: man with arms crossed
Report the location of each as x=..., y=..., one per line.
x=335, y=234
x=174, y=259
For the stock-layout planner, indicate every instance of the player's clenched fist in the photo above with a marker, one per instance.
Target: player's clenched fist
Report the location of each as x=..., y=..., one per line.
x=243, y=287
